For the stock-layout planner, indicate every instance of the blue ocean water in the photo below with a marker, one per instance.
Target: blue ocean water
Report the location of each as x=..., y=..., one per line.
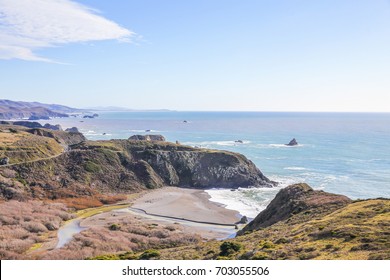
x=345, y=153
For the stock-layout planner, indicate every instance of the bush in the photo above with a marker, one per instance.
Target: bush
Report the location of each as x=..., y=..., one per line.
x=115, y=227
x=92, y=167
x=260, y=256
x=227, y=248
x=149, y=254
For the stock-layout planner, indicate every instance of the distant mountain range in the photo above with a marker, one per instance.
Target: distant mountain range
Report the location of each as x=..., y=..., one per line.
x=34, y=110
x=123, y=109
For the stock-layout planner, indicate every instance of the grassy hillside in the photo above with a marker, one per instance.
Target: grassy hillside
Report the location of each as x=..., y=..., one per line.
x=20, y=146
x=359, y=230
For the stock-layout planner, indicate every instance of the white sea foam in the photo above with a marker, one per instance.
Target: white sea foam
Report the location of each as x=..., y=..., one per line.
x=248, y=201
x=294, y=168
x=144, y=130
x=216, y=143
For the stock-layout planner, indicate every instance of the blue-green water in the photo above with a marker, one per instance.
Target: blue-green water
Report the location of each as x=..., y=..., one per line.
x=346, y=153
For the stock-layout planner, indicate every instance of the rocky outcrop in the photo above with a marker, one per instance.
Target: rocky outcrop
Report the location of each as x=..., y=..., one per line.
x=4, y=161
x=27, y=124
x=124, y=166
x=148, y=137
x=296, y=199
x=293, y=142
x=36, y=118
x=90, y=116
x=185, y=166
x=65, y=138
x=53, y=127
x=72, y=129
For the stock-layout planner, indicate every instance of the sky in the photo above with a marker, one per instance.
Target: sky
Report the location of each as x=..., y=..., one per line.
x=198, y=55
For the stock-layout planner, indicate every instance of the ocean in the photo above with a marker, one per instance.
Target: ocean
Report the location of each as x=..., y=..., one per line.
x=344, y=153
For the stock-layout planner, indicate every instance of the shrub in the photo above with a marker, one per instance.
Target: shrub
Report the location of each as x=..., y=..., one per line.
x=114, y=227
x=91, y=167
x=149, y=254
x=260, y=256
x=227, y=248
x=281, y=241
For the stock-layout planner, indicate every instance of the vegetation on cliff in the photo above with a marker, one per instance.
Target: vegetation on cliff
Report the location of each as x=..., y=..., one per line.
x=65, y=168
x=90, y=168
x=330, y=227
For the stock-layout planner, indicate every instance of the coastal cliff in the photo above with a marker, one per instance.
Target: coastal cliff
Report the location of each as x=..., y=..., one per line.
x=302, y=223
x=87, y=168
x=293, y=200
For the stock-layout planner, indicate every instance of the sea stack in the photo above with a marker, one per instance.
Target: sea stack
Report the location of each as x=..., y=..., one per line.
x=293, y=142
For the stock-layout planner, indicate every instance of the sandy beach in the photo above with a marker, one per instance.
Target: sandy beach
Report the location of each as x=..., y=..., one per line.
x=176, y=204
x=191, y=204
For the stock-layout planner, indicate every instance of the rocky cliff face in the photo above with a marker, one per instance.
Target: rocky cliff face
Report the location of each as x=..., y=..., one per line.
x=295, y=199
x=122, y=166
x=183, y=166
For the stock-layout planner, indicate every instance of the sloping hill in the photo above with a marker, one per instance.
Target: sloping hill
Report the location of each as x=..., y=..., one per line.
x=330, y=227
x=19, y=109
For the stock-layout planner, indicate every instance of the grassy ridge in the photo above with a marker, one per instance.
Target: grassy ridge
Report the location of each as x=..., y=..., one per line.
x=359, y=230
x=20, y=146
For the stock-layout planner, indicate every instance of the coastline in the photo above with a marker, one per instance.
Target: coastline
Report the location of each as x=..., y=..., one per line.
x=189, y=209
x=189, y=204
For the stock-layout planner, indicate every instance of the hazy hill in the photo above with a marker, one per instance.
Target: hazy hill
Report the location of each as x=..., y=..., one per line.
x=19, y=109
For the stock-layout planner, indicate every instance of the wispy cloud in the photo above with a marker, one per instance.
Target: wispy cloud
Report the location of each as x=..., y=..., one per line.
x=30, y=25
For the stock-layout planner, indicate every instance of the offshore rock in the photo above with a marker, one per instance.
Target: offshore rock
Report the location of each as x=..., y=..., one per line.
x=148, y=137
x=293, y=142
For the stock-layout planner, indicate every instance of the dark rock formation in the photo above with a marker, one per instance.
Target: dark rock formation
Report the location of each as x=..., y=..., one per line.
x=148, y=137
x=4, y=161
x=90, y=116
x=35, y=118
x=122, y=166
x=239, y=141
x=65, y=138
x=198, y=168
x=28, y=124
x=244, y=220
x=293, y=200
x=72, y=129
x=293, y=142
x=53, y=127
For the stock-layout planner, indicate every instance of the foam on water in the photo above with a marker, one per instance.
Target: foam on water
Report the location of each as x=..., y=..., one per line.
x=294, y=168
x=248, y=201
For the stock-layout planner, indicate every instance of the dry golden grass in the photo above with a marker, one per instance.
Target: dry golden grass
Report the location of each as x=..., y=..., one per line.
x=359, y=231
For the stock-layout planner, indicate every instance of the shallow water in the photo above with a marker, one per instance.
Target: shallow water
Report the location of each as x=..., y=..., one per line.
x=67, y=231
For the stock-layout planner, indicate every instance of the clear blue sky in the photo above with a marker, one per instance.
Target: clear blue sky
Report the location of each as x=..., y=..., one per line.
x=250, y=55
